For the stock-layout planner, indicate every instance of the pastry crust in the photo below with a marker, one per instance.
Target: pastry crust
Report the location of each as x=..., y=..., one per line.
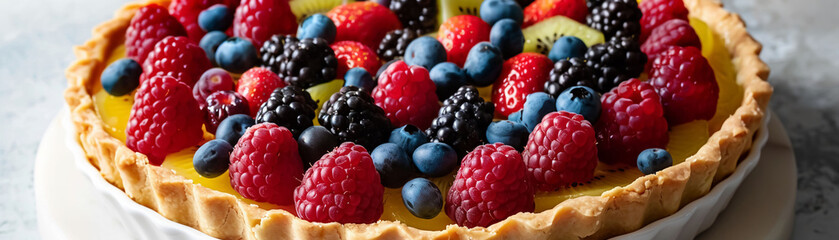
x=617, y=211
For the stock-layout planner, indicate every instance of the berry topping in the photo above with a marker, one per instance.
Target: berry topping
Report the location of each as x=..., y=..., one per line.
x=497, y=172
x=657, y=12
x=236, y=55
x=121, y=77
x=562, y=150
x=408, y=137
x=290, y=107
x=365, y=22
x=307, y=63
x=425, y=52
x=354, y=54
x=580, y=100
x=407, y=95
x=614, y=62
x=521, y=75
x=632, y=120
x=507, y=35
x=313, y=143
x=215, y=18
x=212, y=158
x=422, y=198
x=447, y=77
x=272, y=50
x=258, y=20
x=653, y=160
x=360, y=78
x=210, y=43
x=493, y=11
x=509, y=133
x=536, y=106
x=211, y=81
x=352, y=178
x=567, y=73
x=686, y=84
x=265, y=166
x=435, y=159
x=420, y=15
x=177, y=57
x=222, y=104
x=164, y=119
x=149, y=25
x=317, y=26
x=616, y=19
x=256, y=85
x=395, y=42
x=543, y=9
x=352, y=115
x=675, y=32
x=393, y=164
x=462, y=120
x=483, y=64
x=459, y=33
x=233, y=127
x=567, y=47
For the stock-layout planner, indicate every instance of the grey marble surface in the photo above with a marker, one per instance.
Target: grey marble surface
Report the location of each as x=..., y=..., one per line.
x=799, y=38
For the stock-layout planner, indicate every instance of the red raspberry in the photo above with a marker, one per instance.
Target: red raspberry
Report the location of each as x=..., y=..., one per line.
x=365, y=22
x=686, y=84
x=148, y=26
x=490, y=186
x=544, y=9
x=656, y=12
x=343, y=186
x=352, y=54
x=187, y=11
x=631, y=121
x=561, y=150
x=256, y=85
x=258, y=20
x=164, y=119
x=675, y=32
x=265, y=165
x=407, y=95
x=459, y=34
x=177, y=57
x=520, y=76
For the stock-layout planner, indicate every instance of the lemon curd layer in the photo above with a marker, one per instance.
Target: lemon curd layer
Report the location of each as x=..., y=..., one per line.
x=685, y=140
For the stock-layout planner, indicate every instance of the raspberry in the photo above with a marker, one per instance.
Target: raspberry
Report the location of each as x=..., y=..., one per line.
x=148, y=26
x=343, y=186
x=561, y=150
x=686, y=83
x=520, y=76
x=615, y=61
x=307, y=63
x=354, y=54
x=177, y=57
x=631, y=120
x=568, y=73
x=164, y=119
x=272, y=50
x=352, y=115
x=256, y=85
x=657, y=12
x=675, y=32
x=258, y=20
x=407, y=95
x=616, y=19
x=265, y=165
x=490, y=186
x=419, y=15
x=187, y=11
x=543, y=9
x=459, y=34
x=365, y=22
x=222, y=104
x=291, y=107
x=462, y=120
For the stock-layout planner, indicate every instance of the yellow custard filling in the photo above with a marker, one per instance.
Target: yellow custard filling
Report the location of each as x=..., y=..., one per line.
x=685, y=140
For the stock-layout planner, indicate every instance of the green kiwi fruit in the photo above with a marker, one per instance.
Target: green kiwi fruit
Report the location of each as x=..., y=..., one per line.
x=540, y=37
x=605, y=178
x=451, y=8
x=305, y=8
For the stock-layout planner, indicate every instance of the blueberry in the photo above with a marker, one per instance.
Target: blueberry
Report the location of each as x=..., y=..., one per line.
x=425, y=51
x=507, y=36
x=236, y=55
x=360, y=78
x=121, y=77
x=535, y=107
x=233, y=127
x=317, y=26
x=210, y=43
x=448, y=77
x=384, y=66
x=567, y=47
x=509, y=133
x=580, y=100
x=422, y=198
x=313, y=143
x=393, y=164
x=408, y=137
x=435, y=159
x=215, y=18
x=653, y=160
x=212, y=158
x=483, y=64
x=493, y=11
x=515, y=116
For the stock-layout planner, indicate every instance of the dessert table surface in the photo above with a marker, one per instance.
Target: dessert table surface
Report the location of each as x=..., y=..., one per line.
x=799, y=39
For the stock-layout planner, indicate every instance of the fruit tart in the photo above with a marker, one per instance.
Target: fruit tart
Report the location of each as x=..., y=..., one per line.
x=557, y=119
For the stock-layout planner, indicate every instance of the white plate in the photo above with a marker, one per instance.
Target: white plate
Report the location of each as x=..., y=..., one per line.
x=98, y=210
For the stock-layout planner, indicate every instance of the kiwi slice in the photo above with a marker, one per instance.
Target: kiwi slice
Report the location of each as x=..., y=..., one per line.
x=305, y=8
x=451, y=8
x=540, y=37
x=606, y=177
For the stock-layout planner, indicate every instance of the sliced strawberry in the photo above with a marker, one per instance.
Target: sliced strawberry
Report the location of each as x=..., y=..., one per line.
x=521, y=75
x=459, y=34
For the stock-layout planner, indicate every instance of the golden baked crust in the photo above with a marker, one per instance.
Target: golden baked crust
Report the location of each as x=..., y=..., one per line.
x=617, y=211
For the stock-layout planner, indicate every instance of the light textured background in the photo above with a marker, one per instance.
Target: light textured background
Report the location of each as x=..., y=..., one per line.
x=799, y=38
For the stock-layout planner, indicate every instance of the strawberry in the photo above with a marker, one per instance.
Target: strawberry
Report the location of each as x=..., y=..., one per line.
x=365, y=22
x=148, y=26
x=256, y=85
x=521, y=75
x=544, y=9
x=258, y=20
x=352, y=54
x=459, y=34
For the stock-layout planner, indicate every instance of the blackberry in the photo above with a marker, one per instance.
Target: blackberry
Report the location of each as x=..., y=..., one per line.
x=462, y=121
x=615, y=61
x=616, y=19
x=593, y=3
x=272, y=50
x=307, y=63
x=420, y=15
x=352, y=115
x=568, y=73
x=291, y=107
x=395, y=42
